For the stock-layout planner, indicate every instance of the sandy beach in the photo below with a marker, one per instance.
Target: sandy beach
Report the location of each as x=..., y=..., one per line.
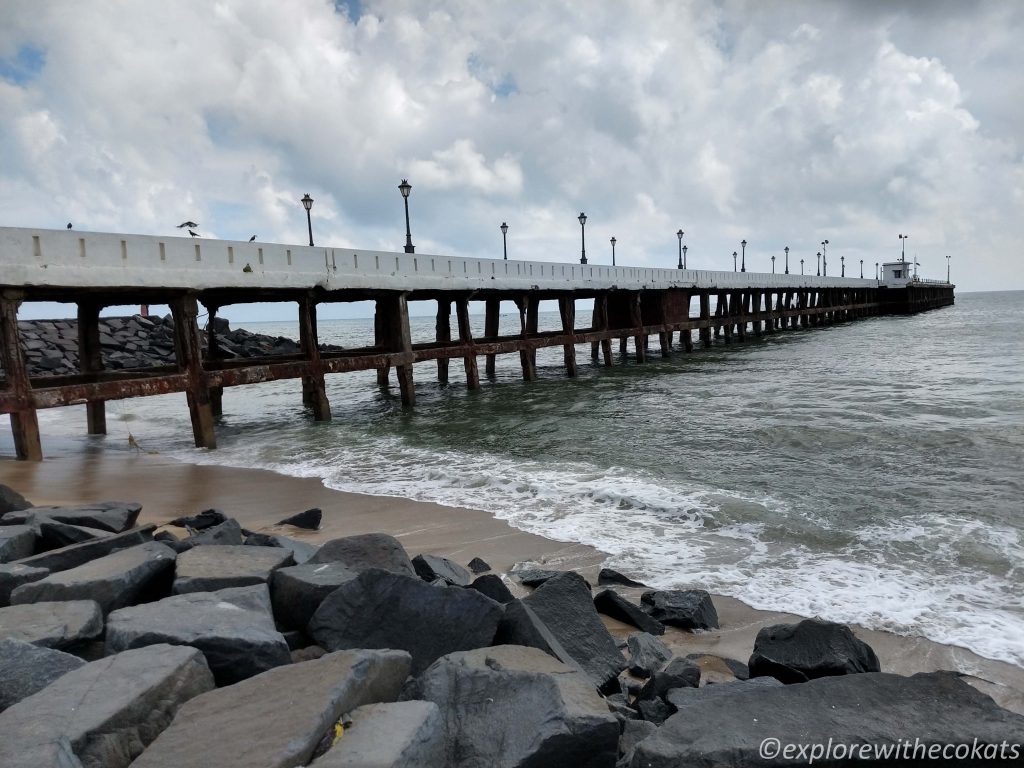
x=257, y=498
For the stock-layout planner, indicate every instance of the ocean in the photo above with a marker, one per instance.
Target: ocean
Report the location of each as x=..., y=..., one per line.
x=868, y=472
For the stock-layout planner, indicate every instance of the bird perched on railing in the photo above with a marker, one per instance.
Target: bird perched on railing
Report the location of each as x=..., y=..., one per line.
x=69, y=225
x=190, y=224
x=251, y=239
x=194, y=234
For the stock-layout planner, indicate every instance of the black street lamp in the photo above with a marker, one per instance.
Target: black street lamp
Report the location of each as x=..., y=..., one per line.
x=842, y=266
x=405, y=188
x=824, y=257
x=307, y=203
x=903, y=248
x=773, y=263
x=734, y=261
x=862, y=269
x=947, y=269
x=819, y=263
x=583, y=237
x=876, y=270
x=504, y=242
x=613, y=250
x=743, y=245
x=684, y=256
x=801, y=266
x=787, y=259
x=680, y=234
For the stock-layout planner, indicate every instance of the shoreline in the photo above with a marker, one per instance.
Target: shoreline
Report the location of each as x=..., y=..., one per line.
x=258, y=498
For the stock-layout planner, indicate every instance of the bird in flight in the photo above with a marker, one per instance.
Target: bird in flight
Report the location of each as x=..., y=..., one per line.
x=69, y=225
x=252, y=238
x=194, y=234
x=187, y=224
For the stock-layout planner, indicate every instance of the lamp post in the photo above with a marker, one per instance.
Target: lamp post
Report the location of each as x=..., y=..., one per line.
x=743, y=265
x=504, y=241
x=862, y=269
x=684, y=256
x=819, y=263
x=307, y=203
x=787, y=259
x=679, y=234
x=842, y=266
x=613, y=249
x=947, y=269
x=876, y=270
x=903, y=247
x=405, y=188
x=801, y=266
x=773, y=263
x=734, y=261
x=583, y=237
x=824, y=257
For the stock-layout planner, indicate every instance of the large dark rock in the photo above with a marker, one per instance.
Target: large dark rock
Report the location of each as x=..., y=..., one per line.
x=873, y=708
x=228, y=533
x=26, y=669
x=11, y=500
x=16, y=542
x=310, y=519
x=103, y=714
x=208, y=518
x=608, y=576
x=678, y=673
x=234, y=628
x=490, y=584
x=277, y=719
x=683, y=608
x=61, y=625
x=114, y=581
x=519, y=625
x=369, y=550
x=301, y=551
x=612, y=604
x=297, y=591
x=515, y=706
x=794, y=653
x=719, y=669
x=431, y=568
x=380, y=609
x=54, y=534
x=13, y=575
x=534, y=577
x=688, y=697
x=647, y=654
x=65, y=558
x=478, y=565
x=110, y=516
x=633, y=732
x=404, y=734
x=565, y=605
x=207, y=569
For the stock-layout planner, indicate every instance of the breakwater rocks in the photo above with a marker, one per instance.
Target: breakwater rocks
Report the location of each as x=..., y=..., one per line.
x=205, y=644
x=51, y=346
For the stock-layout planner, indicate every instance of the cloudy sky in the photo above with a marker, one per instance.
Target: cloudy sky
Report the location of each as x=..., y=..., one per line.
x=782, y=122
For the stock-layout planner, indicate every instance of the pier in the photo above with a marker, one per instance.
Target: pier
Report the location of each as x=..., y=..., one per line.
x=96, y=270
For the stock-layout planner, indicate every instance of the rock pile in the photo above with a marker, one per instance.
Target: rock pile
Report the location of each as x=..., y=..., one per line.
x=230, y=648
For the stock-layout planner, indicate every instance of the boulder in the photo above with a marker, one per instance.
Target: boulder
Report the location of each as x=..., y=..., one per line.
x=16, y=542
x=277, y=719
x=795, y=653
x=13, y=575
x=564, y=604
x=11, y=500
x=26, y=669
x=113, y=581
x=678, y=673
x=234, y=628
x=686, y=697
x=683, y=608
x=207, y=569
x=61, y=625
x=380, y=609
x=519, y=625
x=633, y=732
x=208, y=518
x=72, y=556
x=478, y=566
x=608, y=576
x=655, y=711
x=301, y=551
x=534, y=577
x=297, y=591
x=369, y=550
x=431, y=567
x=612, y=604
x=228, y=533
x=875, y=709
x=54, y=534
x=646, y=654
x=405, y=734
x=102, y=715
x=719, y=669
x=491, y=584
x=515, y=706
x=110, y=516
x=310, y=519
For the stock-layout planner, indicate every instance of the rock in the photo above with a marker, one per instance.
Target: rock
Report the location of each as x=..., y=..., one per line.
x=519, y=625
x=103, y=714
x=276, y=720
x=618, y=705
x=228, y=533
x=310, y=519
x=612, y=604
x=370, y=550
x=234, y=628
x=872, y=708
x=491, y=584
x=65, y=558
x=794, y=653
x=298, y=590
x=515, y=706
x=686, y=697
x=534, y=577
x=26, y=669
x=718, y=669
x=565, y=606
x=380, y=609
x=608, y=576
x=646, y=654
x=11, y=500
x=683, y=608
x=633, y=732
x=110, y=516
x=406, y=734
x=478, y=566
x=13, y=575
x=113, y=581
x=207, y=569
x=655, y=710
x=208, y=518
x=16, y=542
x=431, y=567
x=58, y=625
x=678, y=673
x=301, y=551
x=54, y=534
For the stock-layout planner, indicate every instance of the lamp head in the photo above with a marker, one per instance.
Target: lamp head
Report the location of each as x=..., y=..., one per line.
x=679, y=234
x=307, y=201
x=405, y=188
x=504, y=228
x=614, y=241
x=582, y=218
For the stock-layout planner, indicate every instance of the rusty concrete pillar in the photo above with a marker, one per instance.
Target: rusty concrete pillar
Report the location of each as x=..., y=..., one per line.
x=466, y=339
x=443, y=328
x=567, y=311
x=213, y=355
x=314, y=380
x=24, y=422
x=492, y=309
x=90, y=360
x=190, y=361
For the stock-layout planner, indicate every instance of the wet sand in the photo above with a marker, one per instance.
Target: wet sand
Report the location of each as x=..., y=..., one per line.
x=259, y=498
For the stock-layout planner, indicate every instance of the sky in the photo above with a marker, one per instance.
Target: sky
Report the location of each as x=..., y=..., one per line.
x=780, y=122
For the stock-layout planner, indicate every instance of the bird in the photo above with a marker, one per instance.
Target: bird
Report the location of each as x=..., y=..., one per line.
x=187, y=224
x=194, y=234
x=69, y=225
x=251, y=239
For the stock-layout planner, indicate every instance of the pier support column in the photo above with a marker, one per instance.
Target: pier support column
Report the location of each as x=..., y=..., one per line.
x=705, y=316
x=90, y=360
x=567, y=309
x=466, y=338
x=394, y=313
x=213, y=354
x=636, y=320
x=380, y=341
x=24, y=422
x=601, y=308
x=443, y=329
x=492, y=309
x=527, y=306
x=190, y=361
x=313, y=385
